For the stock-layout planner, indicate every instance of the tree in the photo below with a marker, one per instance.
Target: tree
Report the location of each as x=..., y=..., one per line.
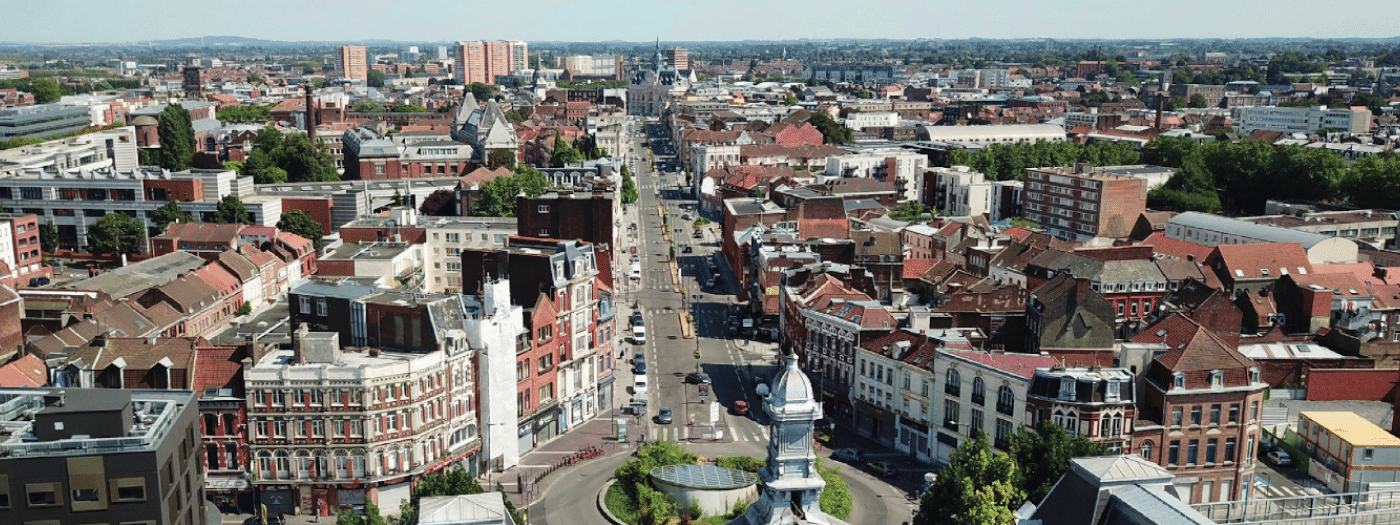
x=45, y=91
x=230, y=210
x=1198, y=101
x=367, y=106
x=115, y=233
x=789, y=99
x=1170, y=152
x=306, y=162
x=481, y=92
x=1043, y=456
x=408, y=108
x=501, y=158
x=629, y=187
x=176, y=138
x=440, y=203
x=301, y=223
x=497, y=196
x=515, y=116
x=236, y=166
x=1176, y=103
x=1373, y=182
x=397, y=199
x=447, y=108
x=564, y=153
x=254, y=79
x=48, y=237
x=510, y=507
x=972, y=486
x=910, y=211
x=168, y=213
x=832, y=132
x=374, y=78
x=269, y=139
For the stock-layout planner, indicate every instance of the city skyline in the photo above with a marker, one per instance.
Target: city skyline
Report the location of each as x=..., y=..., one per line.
x=554, y=20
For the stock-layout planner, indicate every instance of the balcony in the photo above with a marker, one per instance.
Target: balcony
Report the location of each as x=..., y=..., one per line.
x=950, y=425
x=1005, y=408
x=979, y=399
x=952, y=390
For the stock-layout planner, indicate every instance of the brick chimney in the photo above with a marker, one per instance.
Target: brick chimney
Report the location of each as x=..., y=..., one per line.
x=311, y=116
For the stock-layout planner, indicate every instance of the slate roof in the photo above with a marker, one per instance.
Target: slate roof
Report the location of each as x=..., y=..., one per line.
x=202, y=232
x=139, y=277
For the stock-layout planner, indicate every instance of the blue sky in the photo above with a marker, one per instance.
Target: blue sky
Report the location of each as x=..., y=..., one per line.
x=597, y=20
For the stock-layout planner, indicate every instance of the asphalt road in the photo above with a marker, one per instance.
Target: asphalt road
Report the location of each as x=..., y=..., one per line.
x=670, y=357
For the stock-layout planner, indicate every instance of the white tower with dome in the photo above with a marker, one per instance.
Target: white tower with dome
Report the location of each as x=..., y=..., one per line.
x=791, y=485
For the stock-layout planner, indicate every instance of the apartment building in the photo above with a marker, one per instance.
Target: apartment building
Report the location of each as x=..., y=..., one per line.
x=565, y=214
x=575, y=278
x=42, y=120
x=964, y=405
x=352, y=62
x=1353, y=120
x=1082, y=202
x=1198, y=412
x=20, y=250
x=442, y=238
x=332, y=425
x=1096, y=403
x=483, y=62
x=123, y=456
x=901, y=167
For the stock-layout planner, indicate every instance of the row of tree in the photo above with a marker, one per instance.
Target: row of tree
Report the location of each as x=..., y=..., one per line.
x=1238, y=178
x=120, y=233
x=1009, y=161
x=982, y=487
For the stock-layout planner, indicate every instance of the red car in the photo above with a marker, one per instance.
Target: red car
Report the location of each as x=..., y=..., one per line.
x=741, y=408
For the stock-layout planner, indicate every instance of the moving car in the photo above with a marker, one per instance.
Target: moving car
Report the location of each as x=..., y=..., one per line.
x=848, y=455
x=884, y=469
x=700, y=378
x=741, y=408
x=664, y=416
x=1280, y=458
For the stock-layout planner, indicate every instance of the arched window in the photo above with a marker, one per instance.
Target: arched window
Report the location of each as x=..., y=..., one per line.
x=1006, y=400
x=1147, y=450
x=979, y=391
x=953, y=383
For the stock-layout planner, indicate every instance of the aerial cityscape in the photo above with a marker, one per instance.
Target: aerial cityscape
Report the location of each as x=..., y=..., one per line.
x=845, y=265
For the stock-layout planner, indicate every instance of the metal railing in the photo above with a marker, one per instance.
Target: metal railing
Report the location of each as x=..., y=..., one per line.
x=1352, y=508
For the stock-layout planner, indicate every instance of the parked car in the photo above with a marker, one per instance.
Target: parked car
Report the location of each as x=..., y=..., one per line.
x=637, y=318
x=882, y=468
x=664, y=416
x=271, y=520
x=687, y=249
x=741, y=408
x=699, y=378
x=699, y=234
x=639, y=367
x=1266, y=446
x=1280, y=458
x=848, y=455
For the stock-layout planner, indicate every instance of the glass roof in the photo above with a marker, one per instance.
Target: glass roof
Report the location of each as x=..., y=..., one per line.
x=707, y=476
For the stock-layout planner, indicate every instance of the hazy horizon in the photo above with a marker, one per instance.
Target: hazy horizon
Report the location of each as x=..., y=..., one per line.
x=89, y=21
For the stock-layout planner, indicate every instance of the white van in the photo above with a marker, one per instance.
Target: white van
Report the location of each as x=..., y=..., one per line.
x=639, y=385
x=639, y=334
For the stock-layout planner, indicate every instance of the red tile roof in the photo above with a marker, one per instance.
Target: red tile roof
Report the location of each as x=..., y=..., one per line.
x=1268, y=259
x=218, y=366
x=1180, y=249
x=914, y=268
x=26, y=372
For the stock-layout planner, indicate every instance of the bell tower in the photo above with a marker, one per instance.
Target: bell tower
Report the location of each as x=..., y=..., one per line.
x=791, y=484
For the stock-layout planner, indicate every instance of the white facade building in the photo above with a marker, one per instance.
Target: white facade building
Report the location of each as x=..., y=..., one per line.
x=873, y=119
x=494, y=325
x=1303, y=120
x=909, y=167
x=961, y=192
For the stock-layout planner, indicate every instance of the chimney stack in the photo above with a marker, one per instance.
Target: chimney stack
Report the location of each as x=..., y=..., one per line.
x=310, y=114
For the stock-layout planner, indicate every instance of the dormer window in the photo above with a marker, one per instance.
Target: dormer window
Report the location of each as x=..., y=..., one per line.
x=1067, y=388
x=1178, y=380
x=1217, y=379
x=1254, y=374
x=1111, y=391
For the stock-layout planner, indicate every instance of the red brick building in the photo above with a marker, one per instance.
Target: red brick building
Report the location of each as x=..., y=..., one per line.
x=26, y=260
x=1079, y=203
x=568, y=215
x=1199, y=411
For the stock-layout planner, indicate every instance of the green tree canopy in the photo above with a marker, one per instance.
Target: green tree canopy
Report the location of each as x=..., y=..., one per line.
x=1009, y=161
x=973, y=488
x=440, y=203
x=564, y=153
x=269, y=139
x=374, y=78
x=367, y=106
x=481, y=92
x=497, y=196
x=910, y=211
x=230, y=210
x=1373, y=182
x=168, y=213
x=501, y=158
x=306, y=162
x=1198, y=101
x=629, y=187
x=301, y=223
x=48, y=237
x=115, y=233
x=45, y=90
x=1043, y=456
x=833, y=132
x=244, y=113
x=176, y=138
x=408, y=108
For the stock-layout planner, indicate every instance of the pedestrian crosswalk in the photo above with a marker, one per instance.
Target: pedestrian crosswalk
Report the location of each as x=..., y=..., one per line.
x=1282, y=490
x=1274, y=417
x=680, y=432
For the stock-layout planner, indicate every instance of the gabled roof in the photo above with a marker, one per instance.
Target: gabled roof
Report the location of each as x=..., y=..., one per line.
x=202, y=232
x=1263, y=260
x=1020, y=365
x=218, y=367
x=26, y=372
x=1193, y=347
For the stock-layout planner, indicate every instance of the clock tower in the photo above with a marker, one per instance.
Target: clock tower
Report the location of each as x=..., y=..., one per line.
x=791, y=484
